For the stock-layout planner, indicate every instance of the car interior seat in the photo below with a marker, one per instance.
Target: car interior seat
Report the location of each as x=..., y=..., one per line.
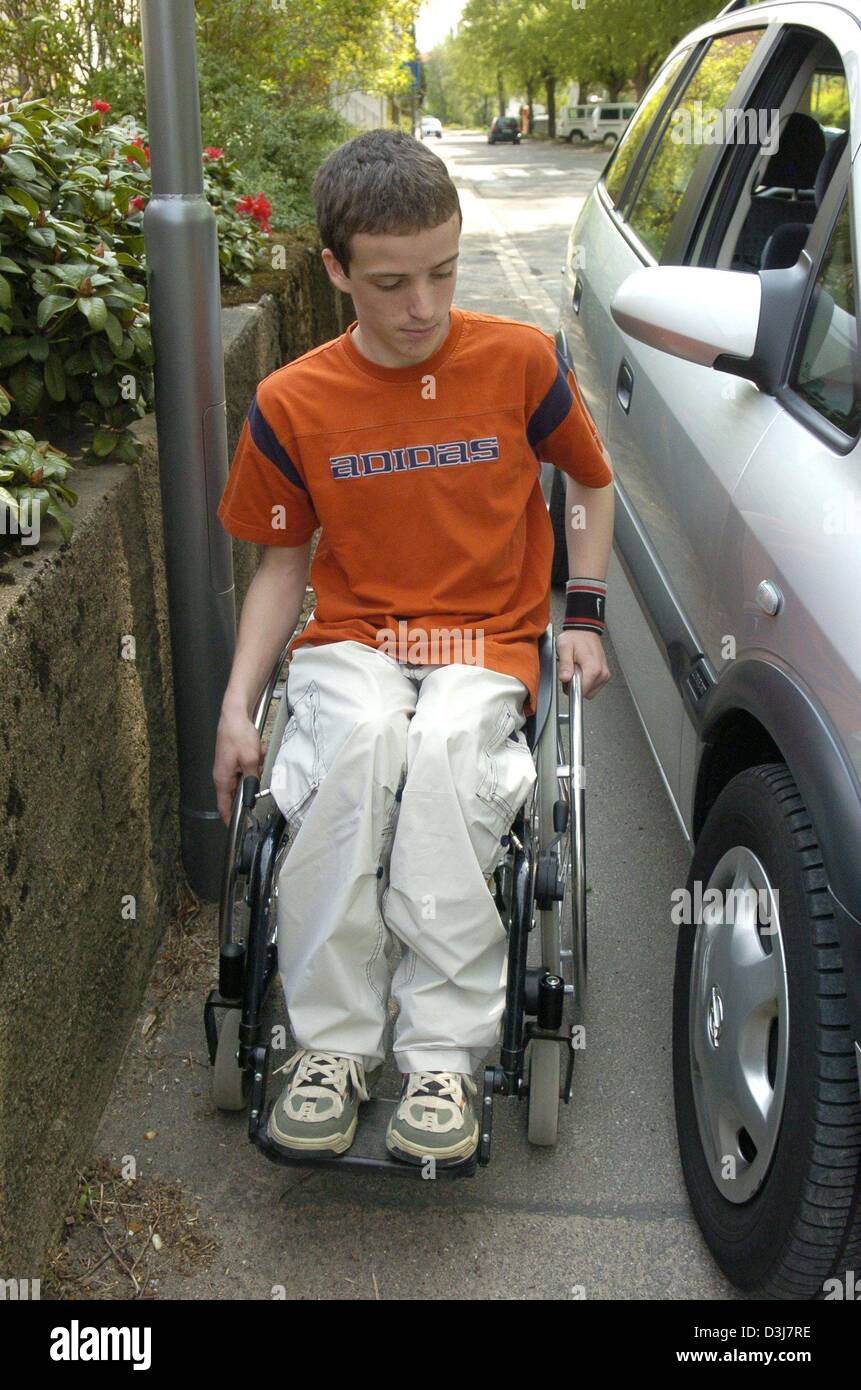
x=785, y=244
x=793, y=168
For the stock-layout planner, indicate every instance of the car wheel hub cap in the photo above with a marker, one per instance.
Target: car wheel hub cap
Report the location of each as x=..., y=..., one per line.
x=739, y=1020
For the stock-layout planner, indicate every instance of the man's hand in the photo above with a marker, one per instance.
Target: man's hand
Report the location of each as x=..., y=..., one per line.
x=238, y=752
x=587, y=650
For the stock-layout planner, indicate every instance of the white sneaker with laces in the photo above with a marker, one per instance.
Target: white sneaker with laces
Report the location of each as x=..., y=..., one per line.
x=435, y=1118
x=318, y=1109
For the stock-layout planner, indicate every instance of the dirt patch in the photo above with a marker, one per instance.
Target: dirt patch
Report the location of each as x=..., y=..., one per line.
x=123, y=1234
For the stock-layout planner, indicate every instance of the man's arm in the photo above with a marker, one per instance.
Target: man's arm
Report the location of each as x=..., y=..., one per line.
x=589, y=514
x=269, y=617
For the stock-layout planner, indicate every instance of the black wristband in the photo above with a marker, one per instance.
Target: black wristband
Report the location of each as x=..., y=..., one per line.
x=585, y=605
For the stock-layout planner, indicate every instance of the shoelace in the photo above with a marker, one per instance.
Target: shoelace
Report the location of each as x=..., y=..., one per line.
x=319, y=1073
x=448, y=1086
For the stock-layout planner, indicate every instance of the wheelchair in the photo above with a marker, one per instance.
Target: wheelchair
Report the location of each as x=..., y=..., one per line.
x=539, y=888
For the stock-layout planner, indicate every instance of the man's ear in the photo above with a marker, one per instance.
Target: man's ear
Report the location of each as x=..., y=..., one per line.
x=335, y=271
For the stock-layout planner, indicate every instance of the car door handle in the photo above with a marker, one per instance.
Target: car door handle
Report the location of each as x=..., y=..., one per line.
x=625, y=385
x=577, y=295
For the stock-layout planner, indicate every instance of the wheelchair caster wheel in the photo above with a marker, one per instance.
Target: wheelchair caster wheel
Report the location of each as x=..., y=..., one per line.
x=229, y=1090
x=544, y=1087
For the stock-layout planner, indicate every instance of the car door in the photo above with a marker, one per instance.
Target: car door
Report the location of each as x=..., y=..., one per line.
x=795, y=520
x=656, y=413
x=596, y=257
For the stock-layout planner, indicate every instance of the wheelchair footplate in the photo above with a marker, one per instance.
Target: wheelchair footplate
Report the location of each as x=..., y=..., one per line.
x=368, y=1150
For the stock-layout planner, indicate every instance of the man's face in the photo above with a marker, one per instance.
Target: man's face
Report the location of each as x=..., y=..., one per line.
x=400, y=284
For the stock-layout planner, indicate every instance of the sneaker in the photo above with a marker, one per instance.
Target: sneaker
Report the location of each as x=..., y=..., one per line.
x=435, y=1118
x=318, y=1110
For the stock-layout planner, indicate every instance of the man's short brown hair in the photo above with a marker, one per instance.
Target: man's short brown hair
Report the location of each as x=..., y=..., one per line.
x=378, y=182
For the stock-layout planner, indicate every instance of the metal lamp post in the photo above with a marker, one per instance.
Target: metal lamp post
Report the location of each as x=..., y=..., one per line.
x=190, y=410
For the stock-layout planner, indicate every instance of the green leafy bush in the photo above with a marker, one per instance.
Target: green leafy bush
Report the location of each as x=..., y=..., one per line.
x=75, y=341
x=32, y=486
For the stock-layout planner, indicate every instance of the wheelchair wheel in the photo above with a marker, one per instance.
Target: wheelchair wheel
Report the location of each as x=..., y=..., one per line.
x=562, y=925
x=229, y=1082
x=232, y=911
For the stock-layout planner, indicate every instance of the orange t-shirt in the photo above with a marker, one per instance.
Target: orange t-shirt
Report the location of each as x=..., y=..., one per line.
x=426, y=482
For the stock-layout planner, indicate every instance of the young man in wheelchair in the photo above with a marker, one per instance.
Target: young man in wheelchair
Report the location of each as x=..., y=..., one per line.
x=414, y=441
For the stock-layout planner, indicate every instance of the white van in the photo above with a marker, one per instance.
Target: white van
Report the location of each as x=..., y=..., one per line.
x=609, y=120
x=575, y=122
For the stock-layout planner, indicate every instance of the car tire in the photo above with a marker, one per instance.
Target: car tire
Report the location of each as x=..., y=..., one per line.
x=559, y=569
x=801, y=1223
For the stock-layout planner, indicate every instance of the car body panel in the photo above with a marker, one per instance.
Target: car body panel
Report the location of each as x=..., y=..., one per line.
x=718, y=487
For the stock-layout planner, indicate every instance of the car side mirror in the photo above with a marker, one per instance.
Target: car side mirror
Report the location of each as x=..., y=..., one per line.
x=734, y=321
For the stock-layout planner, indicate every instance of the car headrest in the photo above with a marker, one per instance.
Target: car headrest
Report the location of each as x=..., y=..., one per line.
x=799, y=154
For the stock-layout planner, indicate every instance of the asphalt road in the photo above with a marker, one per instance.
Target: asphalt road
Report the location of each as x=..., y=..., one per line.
x=604, y=1214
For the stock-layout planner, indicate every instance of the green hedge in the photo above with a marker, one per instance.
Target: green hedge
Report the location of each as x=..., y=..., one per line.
x=75, y=342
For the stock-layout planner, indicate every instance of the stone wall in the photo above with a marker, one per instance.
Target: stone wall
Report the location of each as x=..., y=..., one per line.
x=88, y=775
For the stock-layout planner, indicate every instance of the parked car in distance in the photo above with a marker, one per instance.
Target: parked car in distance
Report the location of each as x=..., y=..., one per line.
x=575, y=122
x=710, y=314
x=609, y=121
x=504, y=128
x=431, y=126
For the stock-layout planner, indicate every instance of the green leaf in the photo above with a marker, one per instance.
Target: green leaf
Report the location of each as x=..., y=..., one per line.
x=12, y=350
x=101, y=356
x=61, y=519
x=52, y=304
x=25, y=384
x=104, y=442
x=78, y=361
x=106, y=390
x=19, y=166
x=125, y=349
x=94, y=310
x=55, y=377
x=136, y=153
x=114, y=331
x=10, y=501
x=5, y=293
x=26, y=200
x=42, y=236
x=38, y=348
x=11, y=267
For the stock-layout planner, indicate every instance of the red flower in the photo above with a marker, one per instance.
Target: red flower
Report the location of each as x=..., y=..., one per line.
x=213, y=152
x=259, y=208
x=141, y=146
x=137, y=203
x=100, y=105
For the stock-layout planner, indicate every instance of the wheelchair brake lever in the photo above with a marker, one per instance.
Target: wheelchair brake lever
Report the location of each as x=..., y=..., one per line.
x=250, y=791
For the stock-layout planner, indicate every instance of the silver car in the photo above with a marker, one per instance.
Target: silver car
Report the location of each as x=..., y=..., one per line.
x=710, y=314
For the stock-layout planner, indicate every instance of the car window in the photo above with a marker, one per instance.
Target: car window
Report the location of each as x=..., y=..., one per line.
x=827, y=374
x=685, y=140
x=609, y=113
x=766, y=181
x=615, y=175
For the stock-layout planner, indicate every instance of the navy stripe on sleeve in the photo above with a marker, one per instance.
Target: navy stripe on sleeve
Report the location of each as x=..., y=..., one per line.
x=549, y=415
x=266, y=441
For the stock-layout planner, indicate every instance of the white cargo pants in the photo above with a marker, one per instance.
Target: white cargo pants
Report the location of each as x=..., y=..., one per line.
x=399, y=783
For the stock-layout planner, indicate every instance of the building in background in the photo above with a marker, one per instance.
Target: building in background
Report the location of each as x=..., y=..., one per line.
x=364, y=110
